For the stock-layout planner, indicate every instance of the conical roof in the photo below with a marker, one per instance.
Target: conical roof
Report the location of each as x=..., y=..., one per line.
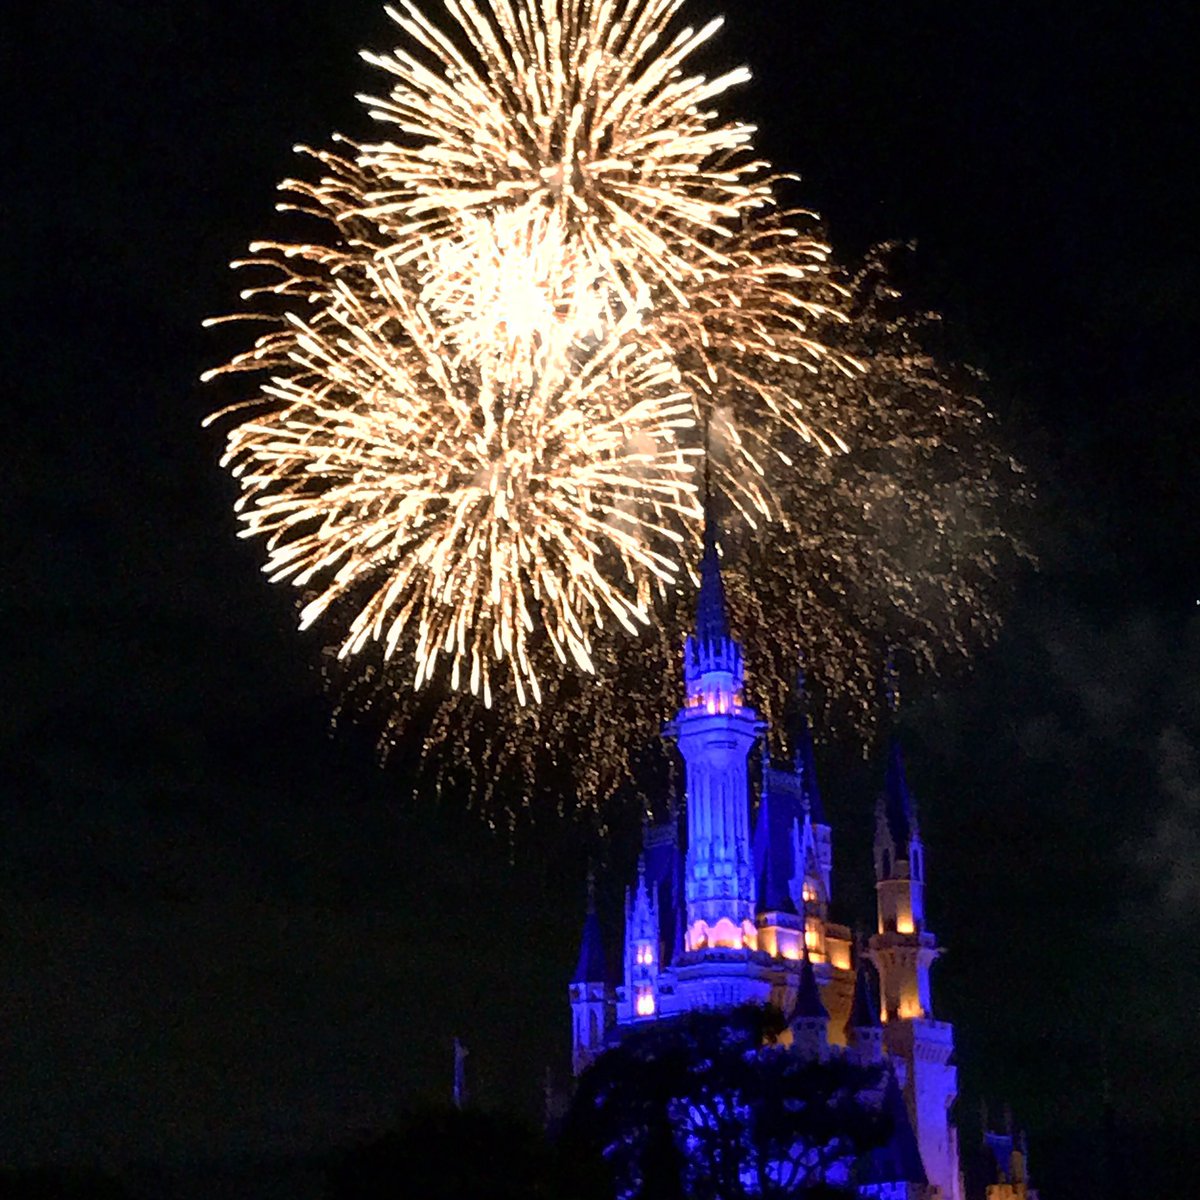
x=805, y=761
x=864, y=1011
x=899, y=809
x=712, y=621
x=808, y=995
x=591, y=967
x=899, y=1159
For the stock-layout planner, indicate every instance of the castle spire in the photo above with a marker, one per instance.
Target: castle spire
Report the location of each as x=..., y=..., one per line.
x=899, y=809
x=590, y=967
x=715, y=731
x=803, y=756
x=588, y=989
x=810, y=1018
x=809, y=1006
x=864, y=1009
x=712, y=622
x=713, y=671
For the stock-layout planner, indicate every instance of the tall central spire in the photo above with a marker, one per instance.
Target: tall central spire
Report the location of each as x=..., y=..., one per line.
x=713, y=671
x=712, y=621
x=716, y=731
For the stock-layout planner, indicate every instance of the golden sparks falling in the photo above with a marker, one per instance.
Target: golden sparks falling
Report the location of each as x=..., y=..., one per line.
x=481, y=386
x=909, y=540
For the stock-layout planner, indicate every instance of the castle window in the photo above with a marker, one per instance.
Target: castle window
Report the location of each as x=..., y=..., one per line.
x=644, y=1005
x=809, y=892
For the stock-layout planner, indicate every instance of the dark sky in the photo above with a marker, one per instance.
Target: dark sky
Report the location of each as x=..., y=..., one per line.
x=223, y=931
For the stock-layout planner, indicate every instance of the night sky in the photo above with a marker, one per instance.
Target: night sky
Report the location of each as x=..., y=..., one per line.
x=225, y=932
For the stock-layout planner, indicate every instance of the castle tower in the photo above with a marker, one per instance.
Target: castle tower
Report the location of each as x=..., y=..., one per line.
x=903, y=951
x=588, y=991
x=809, y=1022
x=715, y=732
x=864, y=1029
x=813, y=887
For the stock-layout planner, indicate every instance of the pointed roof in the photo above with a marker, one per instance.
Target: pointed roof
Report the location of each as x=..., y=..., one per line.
x=772, y=844
x=803, y=758
x=864, y=1012
x=665, y=863
x=808, y=995
x=712, y=622
x=591, y=967
x=899, y=1159
x=899, y=809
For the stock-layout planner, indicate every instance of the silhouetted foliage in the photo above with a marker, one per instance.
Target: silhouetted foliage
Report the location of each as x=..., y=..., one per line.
x=444, y=1154
x=710, y=1107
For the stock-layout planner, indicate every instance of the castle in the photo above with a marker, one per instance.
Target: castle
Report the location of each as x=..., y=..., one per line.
x=741, y=914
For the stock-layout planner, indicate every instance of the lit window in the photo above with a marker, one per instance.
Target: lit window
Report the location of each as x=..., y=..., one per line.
x=645, y=1003
x=645, y=956
x=809, y=892
x=811, y=939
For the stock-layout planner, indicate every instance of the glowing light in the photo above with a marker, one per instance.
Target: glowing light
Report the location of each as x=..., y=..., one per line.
x=726, y=935
x=904, y=924
x=839, y=955
x=645, y=956
x=928, y=497
x=645, y=1005
x=809, y=892
x=474, y=436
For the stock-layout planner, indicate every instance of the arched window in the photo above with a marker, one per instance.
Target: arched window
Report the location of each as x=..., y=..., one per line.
x=887, y=864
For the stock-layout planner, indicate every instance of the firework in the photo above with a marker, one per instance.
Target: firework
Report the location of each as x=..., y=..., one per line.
x=906, y=541
x=445, y=507
x=481, y=386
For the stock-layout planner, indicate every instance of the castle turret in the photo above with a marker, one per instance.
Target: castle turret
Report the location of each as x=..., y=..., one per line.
x=813, y=885
x=589, y=991
x=809, y=1021
x=864, y=1029
x=903, y=951
x=899, y=856
x=715, y=732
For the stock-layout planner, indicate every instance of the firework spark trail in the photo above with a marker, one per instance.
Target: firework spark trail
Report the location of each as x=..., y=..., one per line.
x=475, y=439
x=909, y=540
x=435, y=500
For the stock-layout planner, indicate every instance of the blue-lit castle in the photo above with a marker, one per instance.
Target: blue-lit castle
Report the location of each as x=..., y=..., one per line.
x=738, y=912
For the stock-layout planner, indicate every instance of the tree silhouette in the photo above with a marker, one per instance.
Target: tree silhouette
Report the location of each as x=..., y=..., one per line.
x=710, y=1107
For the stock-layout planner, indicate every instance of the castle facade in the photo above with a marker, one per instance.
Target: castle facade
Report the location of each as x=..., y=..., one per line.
x=732, y=911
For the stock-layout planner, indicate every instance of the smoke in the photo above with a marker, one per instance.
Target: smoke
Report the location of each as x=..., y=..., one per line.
x=1171, y=852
